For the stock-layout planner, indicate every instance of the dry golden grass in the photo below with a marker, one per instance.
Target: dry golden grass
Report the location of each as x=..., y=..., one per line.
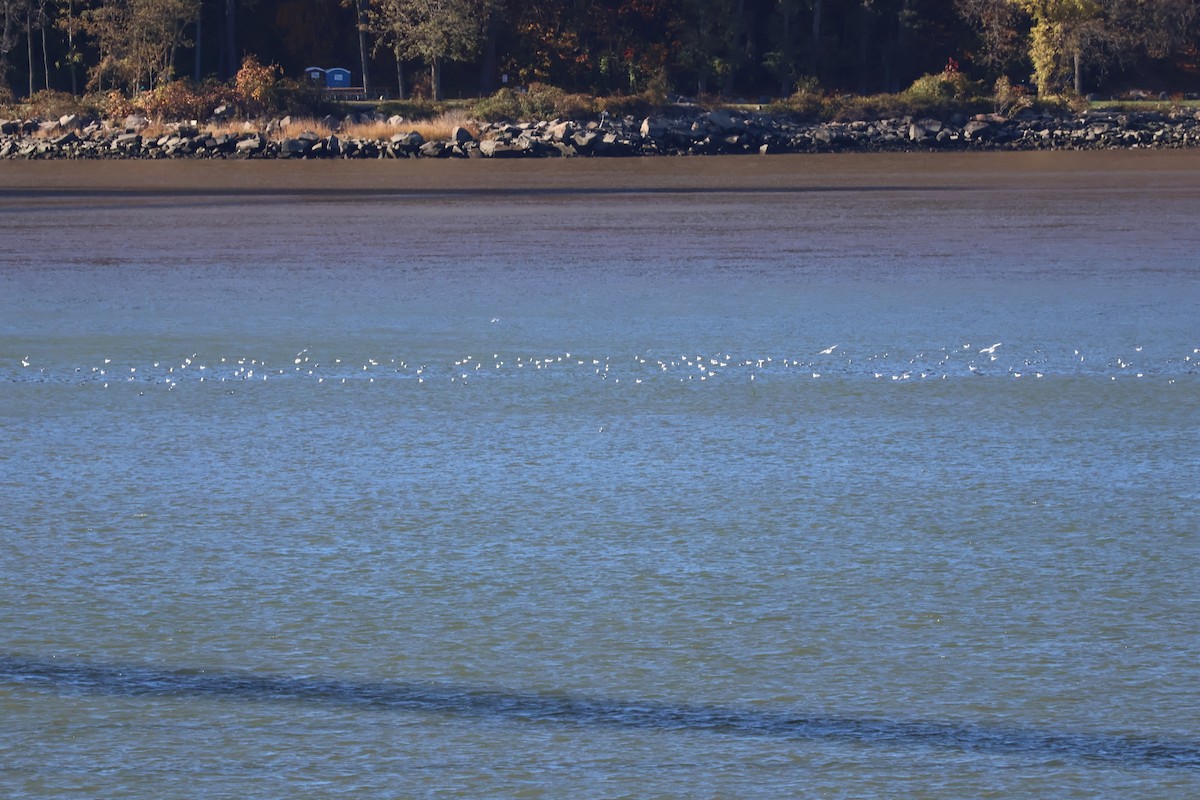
x=437, y=128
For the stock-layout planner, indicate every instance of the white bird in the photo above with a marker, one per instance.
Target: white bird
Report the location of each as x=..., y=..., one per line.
x=992, y=349
x=829, y=350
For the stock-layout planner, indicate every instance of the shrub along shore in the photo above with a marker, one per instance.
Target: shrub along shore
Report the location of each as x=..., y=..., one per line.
x=678, y=132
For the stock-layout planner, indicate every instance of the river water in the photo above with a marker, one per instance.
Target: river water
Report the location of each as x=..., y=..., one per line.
x=848, y=477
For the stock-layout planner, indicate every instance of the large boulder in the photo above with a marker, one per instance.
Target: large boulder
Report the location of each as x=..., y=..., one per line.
x=434, y=149
x=562, y=131
x=495, y=148
x=722, y=121
x=292, y=148
x=977, y=129
x=251, y=144
x=412, y=140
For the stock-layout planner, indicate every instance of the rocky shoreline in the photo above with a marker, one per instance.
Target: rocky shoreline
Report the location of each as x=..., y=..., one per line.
x=696, y=133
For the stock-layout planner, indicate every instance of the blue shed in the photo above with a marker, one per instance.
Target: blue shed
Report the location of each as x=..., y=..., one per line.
x=337, y=78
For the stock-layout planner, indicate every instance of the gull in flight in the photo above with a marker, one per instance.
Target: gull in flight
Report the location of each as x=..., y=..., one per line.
x=992, y=349
x=829, y=350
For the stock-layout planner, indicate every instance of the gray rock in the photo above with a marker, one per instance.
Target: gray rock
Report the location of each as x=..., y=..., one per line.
x=825, y=134
x=434, y=150
x=722, y=121
x=136, y=123
x=561, y=131
x=461, y=135
x=251, y=144
x=977, y=129
x=294, y=147
x=584, y=140
x=495, y=148
x=412, y=139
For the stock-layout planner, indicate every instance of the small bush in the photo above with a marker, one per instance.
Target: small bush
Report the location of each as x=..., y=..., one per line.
x=255, y=85
x=411, y=109
x=184, y=100
x=113, y=105
x=848, y=108
x=1009, y=100
x=625, y=105
x=807, y=104
x=944, y=88
x=539, y=101
x=8, y=100
x=49, y=104
x=501, y=106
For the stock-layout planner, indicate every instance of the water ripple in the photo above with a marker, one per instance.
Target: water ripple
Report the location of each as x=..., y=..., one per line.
x=479, y=702
x=997, y=361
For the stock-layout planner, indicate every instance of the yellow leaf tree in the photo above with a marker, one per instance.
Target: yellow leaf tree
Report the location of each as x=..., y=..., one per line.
x=1059, y=41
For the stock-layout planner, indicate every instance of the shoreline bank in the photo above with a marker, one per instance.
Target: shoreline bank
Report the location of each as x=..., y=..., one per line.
x=592, y=183
x=702, y=133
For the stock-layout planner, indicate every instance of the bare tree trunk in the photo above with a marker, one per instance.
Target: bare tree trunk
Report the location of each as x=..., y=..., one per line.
x=817, y=6
x=487, y=70
x=231, y=55
x=363, y=54
x=197, y=70
x=45, y=53
x=736, y=44
x=399, y=75
x=785, y=77
x=29, y=40
x=5, y=40
x=1078, y=73
x=71, y=46
x=864, y=46
x=435, y=78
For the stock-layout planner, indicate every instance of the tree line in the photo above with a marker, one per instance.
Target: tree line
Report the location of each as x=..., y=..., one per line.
x=731, y=48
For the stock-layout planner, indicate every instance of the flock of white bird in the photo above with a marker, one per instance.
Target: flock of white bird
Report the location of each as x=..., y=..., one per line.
x=835, y=360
